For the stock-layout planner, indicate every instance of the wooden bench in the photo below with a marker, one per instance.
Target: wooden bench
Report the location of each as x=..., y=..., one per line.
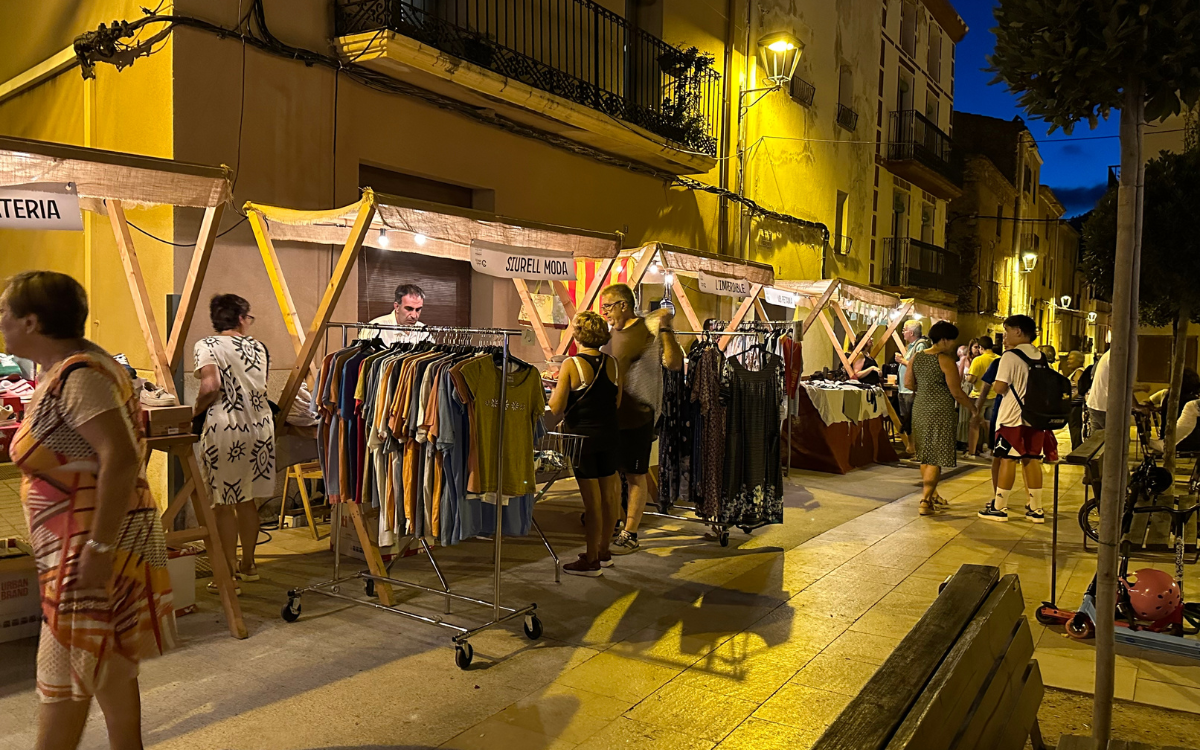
x=962, y=678
x=1072, y=742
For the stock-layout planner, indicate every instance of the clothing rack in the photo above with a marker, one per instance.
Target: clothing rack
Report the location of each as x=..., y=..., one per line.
x=463, y=652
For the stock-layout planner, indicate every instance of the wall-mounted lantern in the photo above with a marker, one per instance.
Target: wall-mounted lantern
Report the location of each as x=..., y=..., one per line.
x=779, y=53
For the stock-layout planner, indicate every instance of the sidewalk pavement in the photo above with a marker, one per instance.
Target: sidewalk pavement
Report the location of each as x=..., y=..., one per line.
x=682, y=645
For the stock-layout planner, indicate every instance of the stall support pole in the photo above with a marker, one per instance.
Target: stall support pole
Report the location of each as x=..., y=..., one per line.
x=191, y=287
x=502, y=408
x=589, y=299
x=685, y=304
x=819, y=307
x=535, y=320
x=283, y=294
x=737, y=318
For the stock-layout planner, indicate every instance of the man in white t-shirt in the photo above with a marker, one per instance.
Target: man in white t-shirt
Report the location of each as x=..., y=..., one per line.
x=1097, y=396
x=406, y=311
x=1016, y=441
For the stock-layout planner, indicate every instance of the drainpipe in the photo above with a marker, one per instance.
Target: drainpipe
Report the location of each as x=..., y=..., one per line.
x=1017, y=213
x=727, y=89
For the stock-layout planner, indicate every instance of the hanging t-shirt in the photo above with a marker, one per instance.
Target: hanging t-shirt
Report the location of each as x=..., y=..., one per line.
x=525, y=403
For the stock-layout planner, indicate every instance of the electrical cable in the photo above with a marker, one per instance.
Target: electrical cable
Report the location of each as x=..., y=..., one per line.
x=185, y=244
x=102, y=45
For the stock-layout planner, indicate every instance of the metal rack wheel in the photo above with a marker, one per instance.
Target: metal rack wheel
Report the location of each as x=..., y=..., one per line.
x=291, y=610
x=725, y=538
x=533, y=627
x=463, y=654
x=370, y=587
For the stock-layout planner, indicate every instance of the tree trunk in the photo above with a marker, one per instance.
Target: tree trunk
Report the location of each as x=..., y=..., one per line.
x=1174, y=396
x=1114, y=476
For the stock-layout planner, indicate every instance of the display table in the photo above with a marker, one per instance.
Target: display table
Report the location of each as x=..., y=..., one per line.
x=839, y=430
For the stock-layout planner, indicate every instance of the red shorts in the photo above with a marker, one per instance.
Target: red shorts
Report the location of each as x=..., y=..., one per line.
x=1026, y=442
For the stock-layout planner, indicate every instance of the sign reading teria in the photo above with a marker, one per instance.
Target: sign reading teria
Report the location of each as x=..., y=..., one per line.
x=779, y=297
x=40, y=206
x=510, y=262
x=724, y=286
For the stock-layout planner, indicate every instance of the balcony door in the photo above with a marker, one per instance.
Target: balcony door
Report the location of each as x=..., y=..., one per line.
x=643, y=80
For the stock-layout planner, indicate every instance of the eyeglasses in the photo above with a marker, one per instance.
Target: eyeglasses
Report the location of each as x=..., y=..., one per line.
x=608, y=306
x=249, y=318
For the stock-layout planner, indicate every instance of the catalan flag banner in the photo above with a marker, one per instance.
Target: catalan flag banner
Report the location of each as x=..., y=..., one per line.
x=585, y=274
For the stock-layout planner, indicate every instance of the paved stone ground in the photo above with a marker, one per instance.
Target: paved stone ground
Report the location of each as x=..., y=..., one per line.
x=683, y=645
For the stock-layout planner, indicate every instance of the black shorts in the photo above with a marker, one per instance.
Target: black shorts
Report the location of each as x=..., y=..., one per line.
x=633, y=449
x=905, y=402
x=597, y=459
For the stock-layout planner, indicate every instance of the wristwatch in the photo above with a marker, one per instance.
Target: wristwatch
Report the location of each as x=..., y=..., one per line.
x=100, y=547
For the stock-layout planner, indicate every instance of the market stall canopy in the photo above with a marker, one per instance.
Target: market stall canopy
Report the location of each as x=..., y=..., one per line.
x=692, y=262
x=844, y=289
x=434, y=229
x=934, y=312
x=111, y=175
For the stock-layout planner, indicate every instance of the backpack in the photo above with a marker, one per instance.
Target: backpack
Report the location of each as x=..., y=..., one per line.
x=1047, y=402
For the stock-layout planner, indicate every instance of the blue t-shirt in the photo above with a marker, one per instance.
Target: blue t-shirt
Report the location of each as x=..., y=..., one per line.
x=989, y=377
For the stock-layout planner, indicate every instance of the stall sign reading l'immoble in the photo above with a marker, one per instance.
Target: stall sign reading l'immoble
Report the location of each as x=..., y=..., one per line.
x=510, y=262
x=724, y=285
x=40, y=206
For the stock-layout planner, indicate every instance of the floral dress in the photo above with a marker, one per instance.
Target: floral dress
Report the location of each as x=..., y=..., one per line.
x=237, y=444
x=89, y=636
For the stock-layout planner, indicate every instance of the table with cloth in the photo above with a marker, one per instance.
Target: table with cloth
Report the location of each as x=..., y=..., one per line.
x=839, y=428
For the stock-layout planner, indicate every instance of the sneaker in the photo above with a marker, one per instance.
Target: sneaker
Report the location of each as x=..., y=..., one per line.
x=582, y=567
x=624, y=544
x=606, y=561
x=152, y=395
x=1036, y=516
x=990, y=513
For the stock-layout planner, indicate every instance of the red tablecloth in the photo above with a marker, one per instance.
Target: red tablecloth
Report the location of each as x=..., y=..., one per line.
x=836, y=448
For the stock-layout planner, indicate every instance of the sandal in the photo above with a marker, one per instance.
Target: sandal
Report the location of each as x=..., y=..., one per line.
x=940, y=502
x=926, y=508
x=212, y=588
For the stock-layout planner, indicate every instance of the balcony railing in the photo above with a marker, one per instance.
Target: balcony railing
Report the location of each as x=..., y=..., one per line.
x=847, y=117
x=576, y=49
x=803, y=91
x=912, y=263
x=989, y=297
x=915, y=137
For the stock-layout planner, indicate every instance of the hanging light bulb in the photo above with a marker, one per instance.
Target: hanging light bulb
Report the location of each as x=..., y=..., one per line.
x=669, y=279
x=419, y=238
x=654, y=267
x=383, y=238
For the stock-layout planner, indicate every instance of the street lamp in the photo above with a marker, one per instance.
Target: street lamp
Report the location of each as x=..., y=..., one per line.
x=1066, y=301
x=779, y=52
x=1029, y=261
x=1092, y=317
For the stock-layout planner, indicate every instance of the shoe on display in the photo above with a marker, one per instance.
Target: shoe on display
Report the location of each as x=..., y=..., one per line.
x=1036, y=516
x=153, y=395
x=624, y=544
x=990, y=513
x=582, y=567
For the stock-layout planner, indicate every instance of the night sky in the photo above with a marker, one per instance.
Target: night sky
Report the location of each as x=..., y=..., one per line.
x=1076, y=166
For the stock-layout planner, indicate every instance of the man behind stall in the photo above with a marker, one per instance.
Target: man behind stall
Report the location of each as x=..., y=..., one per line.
x=406, y=311
x=642, y=347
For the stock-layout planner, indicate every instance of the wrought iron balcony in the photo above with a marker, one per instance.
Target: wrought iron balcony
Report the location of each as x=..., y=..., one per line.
x=915, y=264
x=575, y=49
x=847, y=117
x=803, y=91
x=920, y=152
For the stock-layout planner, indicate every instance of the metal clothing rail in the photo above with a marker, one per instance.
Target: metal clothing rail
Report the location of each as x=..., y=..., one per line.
x=463, y=652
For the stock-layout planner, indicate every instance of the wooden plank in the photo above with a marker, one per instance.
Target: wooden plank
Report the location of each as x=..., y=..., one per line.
x=141, y=297
x=643, y=265
x=863, y=342
x=879, y=708
x=222, y=575
x=833, y=338
x=889, y=332
x=59, y=62
x=685, y=304
x=995, y=706
x=734, y=322
x=564, y=296
x=1017, y=731
x=179, y=538
x=329, y=300
x=760, y=310
x=176, y=505
x=841, y=316
x=589, y=299
x=190, y=297
x=946, y=701
x=819, y=307
x=279, y=285
x=374, y=560
x=1087, y=450
x=535, y=320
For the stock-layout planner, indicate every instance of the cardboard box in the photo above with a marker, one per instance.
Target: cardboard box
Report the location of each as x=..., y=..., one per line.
x=348, y=535
x=161, y=421
x=20, y=600
x=181, y=564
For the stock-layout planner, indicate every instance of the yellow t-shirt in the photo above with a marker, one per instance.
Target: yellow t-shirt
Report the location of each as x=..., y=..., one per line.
x=979, y=366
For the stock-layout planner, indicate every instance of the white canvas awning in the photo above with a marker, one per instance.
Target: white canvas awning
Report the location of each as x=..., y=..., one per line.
x=111, y=175
x=845, y=290
x=406, y=225
x=691, y=262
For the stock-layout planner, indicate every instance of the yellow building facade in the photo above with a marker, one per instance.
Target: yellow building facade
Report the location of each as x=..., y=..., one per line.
x=843, y=147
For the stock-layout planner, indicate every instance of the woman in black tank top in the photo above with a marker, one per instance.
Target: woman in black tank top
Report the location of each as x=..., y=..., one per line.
x=586, y=397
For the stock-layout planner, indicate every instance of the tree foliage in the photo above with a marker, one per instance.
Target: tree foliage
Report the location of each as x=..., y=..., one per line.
x=1070, y=60
x=1170, y=240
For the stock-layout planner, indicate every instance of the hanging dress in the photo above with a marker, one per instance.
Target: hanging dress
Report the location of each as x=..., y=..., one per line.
x=753, y=486
x=89, y=636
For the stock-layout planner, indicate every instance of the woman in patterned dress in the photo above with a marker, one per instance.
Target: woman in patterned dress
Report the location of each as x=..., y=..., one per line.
x=934, y=377
x=237, y=442
x=94, y=527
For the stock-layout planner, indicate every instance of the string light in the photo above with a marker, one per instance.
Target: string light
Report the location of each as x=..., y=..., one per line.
x=419, y=238
x=383, y=238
